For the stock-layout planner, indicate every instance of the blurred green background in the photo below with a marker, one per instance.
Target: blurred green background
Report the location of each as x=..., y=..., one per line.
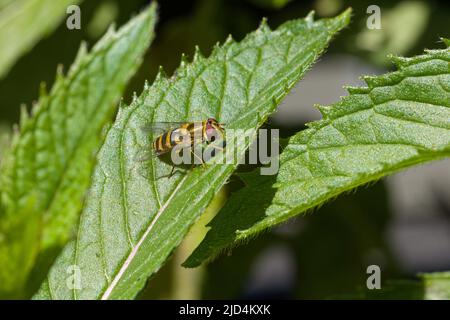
x=401, y=224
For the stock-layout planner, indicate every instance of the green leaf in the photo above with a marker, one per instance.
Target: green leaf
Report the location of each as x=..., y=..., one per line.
x=401, y=119
x=4, y=139
x=436, y=285
x=428, y=286
x=23, y=23
x=52, y=156
x=131, y=223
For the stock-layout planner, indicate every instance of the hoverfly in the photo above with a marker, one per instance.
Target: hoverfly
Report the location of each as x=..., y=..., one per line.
x=187, y=137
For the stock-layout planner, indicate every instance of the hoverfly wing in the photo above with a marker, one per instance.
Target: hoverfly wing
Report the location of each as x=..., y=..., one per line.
x=157, y=128
x=142, y=163
x=144, y=155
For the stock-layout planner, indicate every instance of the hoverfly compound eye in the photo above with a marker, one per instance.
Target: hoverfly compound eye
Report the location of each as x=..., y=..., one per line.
x=209, y=123
x=210, y=129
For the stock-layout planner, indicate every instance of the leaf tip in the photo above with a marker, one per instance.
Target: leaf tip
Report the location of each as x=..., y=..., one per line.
x=310, y=19
x=43, y=90
x=153, y=6
x=339, y=22
x=313, y=124
x=184, y=61
x=135, y=97
x=400, y=62
x=59, y=71
x=324, y=110
x=82, y=52
x=347, y=14
x=263, y=26
x=190, y=263
x=355, y=90
x=371, y=81
x=24, y=115
x=161, y=74
x=216, y=49
x=146, y=85
x=446, y=41
x=228, y=41
x=197, y=54
x=111, y=29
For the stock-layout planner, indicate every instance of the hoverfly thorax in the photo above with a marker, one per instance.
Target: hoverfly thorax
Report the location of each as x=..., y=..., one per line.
x=186, y=135
x=185, y=141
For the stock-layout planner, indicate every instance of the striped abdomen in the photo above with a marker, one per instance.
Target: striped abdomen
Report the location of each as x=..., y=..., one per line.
x=168, y=140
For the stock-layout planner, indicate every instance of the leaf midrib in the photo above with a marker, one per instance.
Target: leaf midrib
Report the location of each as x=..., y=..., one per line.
x=265, y=96
x=124, y=266
x=136, y=248
x=362, y=180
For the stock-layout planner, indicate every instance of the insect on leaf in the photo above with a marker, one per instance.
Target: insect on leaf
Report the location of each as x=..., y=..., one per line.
x=131, y=224
x=401, y=119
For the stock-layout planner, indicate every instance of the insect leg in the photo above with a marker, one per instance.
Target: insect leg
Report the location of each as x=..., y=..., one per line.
x=195, y=155
x=217, y=147
x=173, y=167
x=171, y=172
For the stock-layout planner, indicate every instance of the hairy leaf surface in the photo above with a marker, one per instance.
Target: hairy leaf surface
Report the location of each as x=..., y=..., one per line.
x=401, y=119
x=47, y=171
x=133, y=222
